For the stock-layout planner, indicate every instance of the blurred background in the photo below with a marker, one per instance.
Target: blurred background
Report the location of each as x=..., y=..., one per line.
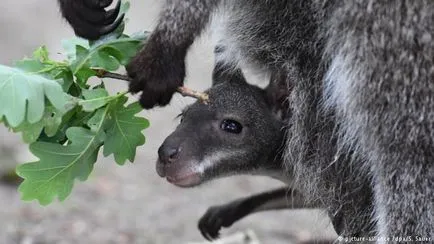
x=128, y=204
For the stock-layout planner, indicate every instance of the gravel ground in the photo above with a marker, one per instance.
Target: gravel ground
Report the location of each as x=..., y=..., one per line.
x=128, y=204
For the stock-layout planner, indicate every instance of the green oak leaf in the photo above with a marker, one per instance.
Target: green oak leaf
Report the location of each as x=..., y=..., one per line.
x=41, y=54
x=107, y=58
x=22, y=96
x=70, y=47
x=140, y=35
x=94, y=99
x=94, y=121
x=31, y=65
x=50, y=123
x=42, y=65
x=36, y=63
x=81, y=66
x=83, y=76
x=59, y=165
x=30, y=132
x=108, y=55
x=65, y=119
x=124, y=131
x=128, y=47
x=66, y=77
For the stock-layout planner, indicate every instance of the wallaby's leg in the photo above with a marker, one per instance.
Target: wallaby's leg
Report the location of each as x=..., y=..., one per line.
x=225, y=215
x=381, y=81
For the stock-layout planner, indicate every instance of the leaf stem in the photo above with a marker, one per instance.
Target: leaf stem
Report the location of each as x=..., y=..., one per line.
x=184, y=91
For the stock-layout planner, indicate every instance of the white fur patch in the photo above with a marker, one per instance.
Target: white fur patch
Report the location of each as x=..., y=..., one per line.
x=231, y=55
x=340, y=95
x=211, y=160
x=337, y=83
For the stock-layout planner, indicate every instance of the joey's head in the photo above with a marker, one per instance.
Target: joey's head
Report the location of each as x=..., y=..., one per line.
x=237, y=132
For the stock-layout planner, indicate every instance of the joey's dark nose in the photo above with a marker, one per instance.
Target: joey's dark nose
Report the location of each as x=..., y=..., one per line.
x=167, y=153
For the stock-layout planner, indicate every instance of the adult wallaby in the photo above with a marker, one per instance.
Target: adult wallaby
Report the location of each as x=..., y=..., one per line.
x=240, y=132
x=363, y=74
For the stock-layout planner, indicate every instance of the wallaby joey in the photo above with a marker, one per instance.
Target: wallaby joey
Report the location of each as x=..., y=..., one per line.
x=238, y=132
x=241, y=131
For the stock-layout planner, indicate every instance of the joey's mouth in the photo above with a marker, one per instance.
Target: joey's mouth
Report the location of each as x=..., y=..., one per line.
x=186, y=180
x=179, y=175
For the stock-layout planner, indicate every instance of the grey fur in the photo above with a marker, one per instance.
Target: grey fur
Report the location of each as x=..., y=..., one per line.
x=362, y=99
x=363, y=74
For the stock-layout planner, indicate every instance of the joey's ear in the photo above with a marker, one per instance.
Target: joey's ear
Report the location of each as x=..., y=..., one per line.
x=277, y=93
x=224, y=72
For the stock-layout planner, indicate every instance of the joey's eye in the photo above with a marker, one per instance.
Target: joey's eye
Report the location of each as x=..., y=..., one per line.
x=231, y=126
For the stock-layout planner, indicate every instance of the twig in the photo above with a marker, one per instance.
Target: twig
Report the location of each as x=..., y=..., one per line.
x=184, y=91
x=187, y=92
x=106, y=74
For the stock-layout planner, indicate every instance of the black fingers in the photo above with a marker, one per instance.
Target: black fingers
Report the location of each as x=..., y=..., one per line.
x=110, y=28
x=89, y=19
x=98, y=16
x=92, y=32
x=112, y=14
x=156, y=72
x=155, y=94
x=211, y=223
x=220, y=216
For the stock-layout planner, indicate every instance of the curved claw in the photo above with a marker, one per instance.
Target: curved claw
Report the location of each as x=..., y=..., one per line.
x=110, y=28
x=94, y=32
x=89, y=18
x=210, y=225
x=97, y=4
x=112, y=14
x=98, y=16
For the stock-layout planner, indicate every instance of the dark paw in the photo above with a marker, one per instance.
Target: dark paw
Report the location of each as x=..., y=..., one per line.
x=156, y=72
x=214, y=219
x=89, y=19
